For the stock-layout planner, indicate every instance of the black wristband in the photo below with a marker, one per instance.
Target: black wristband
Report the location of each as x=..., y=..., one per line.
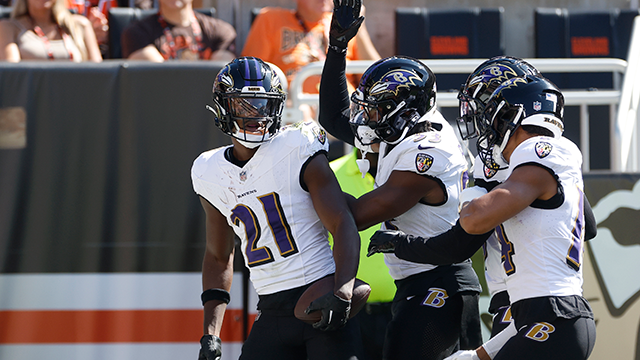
x=215, y=294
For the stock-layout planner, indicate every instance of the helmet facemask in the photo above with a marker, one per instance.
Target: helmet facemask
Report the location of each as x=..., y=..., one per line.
x=499, y=121
x=252, y=117
x=373, y=122
x=478, y=88
x=471, y=104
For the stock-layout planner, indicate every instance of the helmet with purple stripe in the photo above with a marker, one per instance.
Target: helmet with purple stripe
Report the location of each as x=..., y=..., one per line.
x=248, y=100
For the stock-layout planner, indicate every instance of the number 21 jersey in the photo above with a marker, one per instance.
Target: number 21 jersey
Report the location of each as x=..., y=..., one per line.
x=284, y=244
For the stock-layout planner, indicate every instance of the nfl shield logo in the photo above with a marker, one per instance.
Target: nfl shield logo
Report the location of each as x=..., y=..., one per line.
x=423, y=162
x=243, y=176
x=537, y=105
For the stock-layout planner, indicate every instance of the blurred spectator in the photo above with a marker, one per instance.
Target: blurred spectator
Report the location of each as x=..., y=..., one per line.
x=154, y=38
x=47, y=30
x=97, y=11
x=292, y=39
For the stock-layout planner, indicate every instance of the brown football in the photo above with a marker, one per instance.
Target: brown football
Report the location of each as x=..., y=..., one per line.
x=361, y=291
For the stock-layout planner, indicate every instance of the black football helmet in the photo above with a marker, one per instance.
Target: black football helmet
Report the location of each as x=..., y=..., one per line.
x=394, y=94
x=248, y=100
x=527, y=100
x=480, y=84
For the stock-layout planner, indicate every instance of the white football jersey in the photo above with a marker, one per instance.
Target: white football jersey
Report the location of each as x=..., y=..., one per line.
x=493, y=270
x=284, y=244
x=542, y=247
x=436, y=154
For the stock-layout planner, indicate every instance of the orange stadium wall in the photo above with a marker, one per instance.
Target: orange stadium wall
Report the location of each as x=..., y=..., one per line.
x=102, y=236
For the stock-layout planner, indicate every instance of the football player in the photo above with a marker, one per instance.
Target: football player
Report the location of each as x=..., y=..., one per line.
x=538, y=214
x=420, y=173
x=473, y=98
x=274, y=189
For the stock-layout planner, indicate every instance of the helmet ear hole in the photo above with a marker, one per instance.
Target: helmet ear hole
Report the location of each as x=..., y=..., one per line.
x=406, y=118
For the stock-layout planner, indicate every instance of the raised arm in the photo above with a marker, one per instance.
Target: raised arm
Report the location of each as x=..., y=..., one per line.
x=334, y=94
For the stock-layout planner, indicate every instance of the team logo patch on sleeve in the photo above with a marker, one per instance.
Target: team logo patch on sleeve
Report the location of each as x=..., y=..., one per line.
x=543, y=149
x=320, y=134
x=423, y=162
x=489, y=173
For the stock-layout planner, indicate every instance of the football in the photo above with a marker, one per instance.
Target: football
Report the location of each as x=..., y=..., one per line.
x=361, y=291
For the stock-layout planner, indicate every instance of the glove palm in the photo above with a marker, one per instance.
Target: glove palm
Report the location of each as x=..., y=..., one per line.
x=345, y=22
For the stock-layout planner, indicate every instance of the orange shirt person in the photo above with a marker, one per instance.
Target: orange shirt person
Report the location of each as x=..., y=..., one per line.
x=298, y=37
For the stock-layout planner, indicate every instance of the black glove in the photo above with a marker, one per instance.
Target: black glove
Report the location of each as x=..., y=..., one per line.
x=335, y=311
x=210, y=348
x=384, y=241
x=345, y=22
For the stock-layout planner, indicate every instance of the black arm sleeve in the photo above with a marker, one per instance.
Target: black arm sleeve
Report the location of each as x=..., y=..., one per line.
x=333, y=113
x=590, y=225
x=453, y=246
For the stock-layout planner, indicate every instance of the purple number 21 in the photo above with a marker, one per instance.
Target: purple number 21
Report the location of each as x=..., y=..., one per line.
x=277, y=223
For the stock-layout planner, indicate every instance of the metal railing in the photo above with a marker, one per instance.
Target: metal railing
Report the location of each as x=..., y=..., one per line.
x=582, y=98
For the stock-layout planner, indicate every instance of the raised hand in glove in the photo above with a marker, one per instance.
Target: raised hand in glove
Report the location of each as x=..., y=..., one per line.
x=345, y=22
x=464, y=355
x=384, y=241
x=335, y=311
x=210, y=348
